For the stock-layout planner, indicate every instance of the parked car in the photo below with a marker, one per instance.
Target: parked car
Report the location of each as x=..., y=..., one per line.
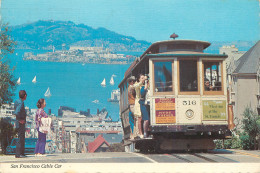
x=29, y=147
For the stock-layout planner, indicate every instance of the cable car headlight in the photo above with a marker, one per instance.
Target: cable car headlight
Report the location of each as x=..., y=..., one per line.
x=189, y=114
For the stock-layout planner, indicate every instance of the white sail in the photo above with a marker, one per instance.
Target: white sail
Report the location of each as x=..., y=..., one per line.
x=34, y=79
x=112, y=81
x=103, y=83
x=19, y=81
x=95, y=101
x=47, y=93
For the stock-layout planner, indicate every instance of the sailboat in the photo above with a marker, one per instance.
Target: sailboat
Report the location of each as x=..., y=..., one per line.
x=18, y=81
x=95, y=101
x=112, y=81
x=103, y=83
x=34, y=79
x=47, y=93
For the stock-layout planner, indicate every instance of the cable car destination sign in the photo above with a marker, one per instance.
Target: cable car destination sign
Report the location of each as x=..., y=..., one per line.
x=165, y=110
x=214, y=110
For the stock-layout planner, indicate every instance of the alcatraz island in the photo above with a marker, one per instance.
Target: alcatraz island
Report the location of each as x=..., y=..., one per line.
x=78, y=54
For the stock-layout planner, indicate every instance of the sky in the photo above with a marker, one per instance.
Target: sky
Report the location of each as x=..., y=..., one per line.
x=150, y=20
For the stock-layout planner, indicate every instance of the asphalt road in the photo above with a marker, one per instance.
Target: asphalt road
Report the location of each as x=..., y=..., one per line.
x=212, y=156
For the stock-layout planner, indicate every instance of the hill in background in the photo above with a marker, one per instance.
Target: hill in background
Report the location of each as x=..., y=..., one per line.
x=45, y=34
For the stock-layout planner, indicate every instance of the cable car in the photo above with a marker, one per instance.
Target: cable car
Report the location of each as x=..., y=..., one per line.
x=188, y=97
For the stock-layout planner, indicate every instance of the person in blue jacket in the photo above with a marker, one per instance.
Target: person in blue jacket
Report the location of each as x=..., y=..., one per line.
x=143, y=106
x=20, y=123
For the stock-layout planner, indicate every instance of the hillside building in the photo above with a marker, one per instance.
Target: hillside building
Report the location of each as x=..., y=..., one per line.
x=244, y=82
x=98, y=145
x=7, y=110
x=87, y=136
x=232, y=52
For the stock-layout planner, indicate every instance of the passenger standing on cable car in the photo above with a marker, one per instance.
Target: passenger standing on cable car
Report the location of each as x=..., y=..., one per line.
x=144, y=105
x=138, y=114
x=131, y=102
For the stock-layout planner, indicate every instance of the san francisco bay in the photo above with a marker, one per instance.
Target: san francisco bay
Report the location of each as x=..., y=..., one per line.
x=71, y=84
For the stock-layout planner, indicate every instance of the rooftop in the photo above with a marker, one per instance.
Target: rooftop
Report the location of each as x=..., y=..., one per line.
x=93, y=146
x=249, y=62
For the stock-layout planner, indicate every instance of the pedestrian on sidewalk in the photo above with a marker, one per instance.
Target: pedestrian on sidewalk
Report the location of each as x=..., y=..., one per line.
x=20, y=114
x=41, y=142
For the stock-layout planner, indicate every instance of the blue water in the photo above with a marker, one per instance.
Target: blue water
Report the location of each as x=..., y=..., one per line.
x=71, y=84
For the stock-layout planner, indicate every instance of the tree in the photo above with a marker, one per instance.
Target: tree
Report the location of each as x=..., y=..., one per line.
x=7, y=79
x=7, y=82
x=251, y=128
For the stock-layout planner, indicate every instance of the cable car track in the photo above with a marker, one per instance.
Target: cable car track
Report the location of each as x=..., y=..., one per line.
x=196, y=156
x=192, y=160
x=203, y=157
x=181, y=158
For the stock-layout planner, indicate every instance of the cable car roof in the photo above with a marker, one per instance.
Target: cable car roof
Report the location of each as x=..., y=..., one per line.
x=198, y=46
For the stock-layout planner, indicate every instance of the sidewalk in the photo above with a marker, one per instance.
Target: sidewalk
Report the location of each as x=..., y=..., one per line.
x=67, y=157
x=32, y=157
x=255, y=153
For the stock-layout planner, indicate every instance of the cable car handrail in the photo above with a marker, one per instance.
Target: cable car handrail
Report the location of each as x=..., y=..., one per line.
x=164, y=82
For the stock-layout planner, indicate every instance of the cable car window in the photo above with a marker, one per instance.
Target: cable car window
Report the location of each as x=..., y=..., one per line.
x=188, y=75
x=163, y=76
x=212, y=76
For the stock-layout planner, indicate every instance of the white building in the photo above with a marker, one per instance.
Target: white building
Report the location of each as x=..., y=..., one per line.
x=7, y=110
x=244, y=82
x=232, y=52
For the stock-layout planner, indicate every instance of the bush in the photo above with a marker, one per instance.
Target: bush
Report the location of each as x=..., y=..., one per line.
x=7, y=132
x=251, y=129
x=233, y=143
x=219, y=143
x=247, y=143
